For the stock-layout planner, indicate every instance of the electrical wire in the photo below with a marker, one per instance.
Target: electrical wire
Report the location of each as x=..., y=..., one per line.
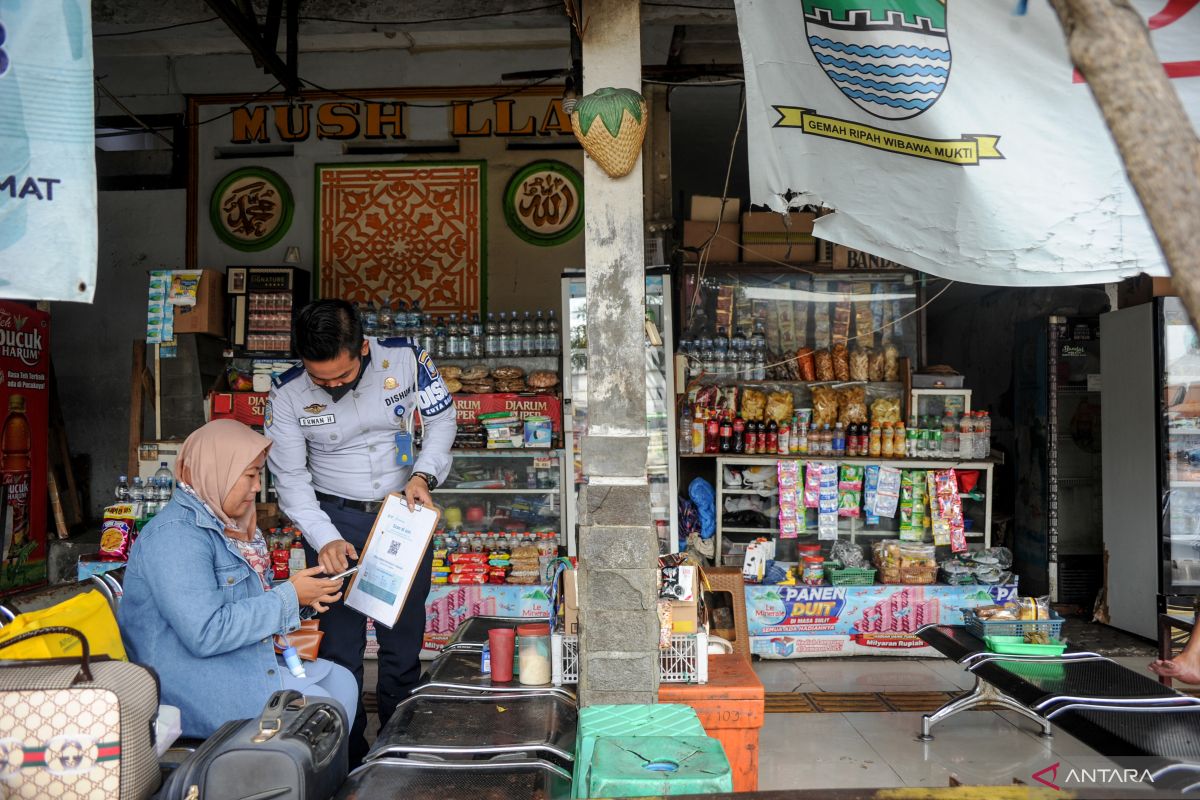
x=514, y=91
x=184, y=126
x=346, y=21
x=130, y=114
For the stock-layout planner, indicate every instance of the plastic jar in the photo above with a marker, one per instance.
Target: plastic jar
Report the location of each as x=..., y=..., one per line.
x=533, y=642
x=814, y=570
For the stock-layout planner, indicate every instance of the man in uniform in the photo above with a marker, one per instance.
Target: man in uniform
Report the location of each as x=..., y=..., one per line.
x=342, y=431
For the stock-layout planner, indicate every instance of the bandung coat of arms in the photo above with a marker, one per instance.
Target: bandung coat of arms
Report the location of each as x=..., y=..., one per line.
x=890, y=57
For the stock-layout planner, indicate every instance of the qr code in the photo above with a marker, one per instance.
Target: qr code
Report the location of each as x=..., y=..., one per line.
x=393, y=548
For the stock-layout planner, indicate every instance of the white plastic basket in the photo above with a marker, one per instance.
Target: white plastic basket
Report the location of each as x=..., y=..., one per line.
x=685, y=661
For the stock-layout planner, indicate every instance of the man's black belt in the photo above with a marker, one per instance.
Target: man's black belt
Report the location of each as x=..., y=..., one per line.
x=366, y=506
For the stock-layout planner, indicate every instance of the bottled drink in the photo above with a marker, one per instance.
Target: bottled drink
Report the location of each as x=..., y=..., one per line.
x=368, y=317
x=528, y=336
x=439, y=339
x=949, y=435
x=428, y=340
x=712, y=435
x=814, y=440
x=296, y=560
x=415, y=318
x=875, y=441
x=385, y=319
x=983, y=435
x=150, y=505
x=751, y=438
x=772, y=444
x=502, y=331
x=542, y=335
x=966, y=438
x=166, y=481
x=122, y=490
x=477, y=346
x=726, y=434
x=685, y=430
x=453, y=337
x=138, y=492
x=552, y=332
x=760, y=365
x=885, y=441
x=839, y=440
x=699, y=428
x=739, y=434
x=899, y=440
x=490, y=331
x=785, y=439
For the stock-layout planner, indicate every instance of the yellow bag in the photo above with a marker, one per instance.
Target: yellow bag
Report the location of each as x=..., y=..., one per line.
x=88, y=613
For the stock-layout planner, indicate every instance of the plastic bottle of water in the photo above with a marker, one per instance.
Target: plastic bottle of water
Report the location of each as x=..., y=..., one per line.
x=552, y=331
x=439, y=336
x=542, y=338
x=385, y=319
x=949, y=435
x=477, y=344
x=138, y=492
x=428, y=341
x=528, y=336
x=490, y=342
x=966, y=438
x=502, y=330
x=983, y=435
x=165, y=480
x=122, y=490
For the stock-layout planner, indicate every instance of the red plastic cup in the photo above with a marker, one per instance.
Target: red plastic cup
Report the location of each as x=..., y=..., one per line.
x=501, y=641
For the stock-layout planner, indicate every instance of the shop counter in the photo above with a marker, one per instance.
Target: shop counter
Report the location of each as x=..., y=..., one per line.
x=449, y=605
x=823, y=621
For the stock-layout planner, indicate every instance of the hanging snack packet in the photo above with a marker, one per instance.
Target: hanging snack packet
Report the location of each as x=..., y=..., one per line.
x=812, y=484
x=941, y=527
x=870, y=493
x=887, y=495
x=949, y=505
x=788, y=472
x=827, y=520
x=850, y=491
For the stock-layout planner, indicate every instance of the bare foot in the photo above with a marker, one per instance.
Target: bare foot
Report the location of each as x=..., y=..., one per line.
x=1177, y=669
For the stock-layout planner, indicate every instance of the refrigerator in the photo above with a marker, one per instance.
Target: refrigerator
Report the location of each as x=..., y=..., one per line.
x=24, y=447
x=1150, y=367
x=1058, y=543
x=660, y=401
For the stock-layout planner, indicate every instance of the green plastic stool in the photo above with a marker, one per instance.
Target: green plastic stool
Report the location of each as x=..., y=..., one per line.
x=597, y=722
x=653, y=766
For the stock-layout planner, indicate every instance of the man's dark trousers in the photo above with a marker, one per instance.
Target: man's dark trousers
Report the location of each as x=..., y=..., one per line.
x=345, y=630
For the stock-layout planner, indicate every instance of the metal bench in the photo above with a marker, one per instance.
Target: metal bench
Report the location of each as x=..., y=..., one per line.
x=1034, y=686
x=458, y=672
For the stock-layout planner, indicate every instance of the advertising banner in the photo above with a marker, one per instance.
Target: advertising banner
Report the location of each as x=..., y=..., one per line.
x=813, y=621
x=24, y=401
x=449, y=605
x=47, y=152
x=952, y=137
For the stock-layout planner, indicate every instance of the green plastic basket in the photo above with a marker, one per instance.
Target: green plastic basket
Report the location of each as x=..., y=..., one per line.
x=1017, y=646
x=849, y=576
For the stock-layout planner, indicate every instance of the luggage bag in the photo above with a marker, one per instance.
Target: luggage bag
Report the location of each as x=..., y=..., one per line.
x=297, y=749
x=76, y=728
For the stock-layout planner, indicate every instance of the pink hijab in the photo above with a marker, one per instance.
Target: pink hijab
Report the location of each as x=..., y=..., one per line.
x=213, y=458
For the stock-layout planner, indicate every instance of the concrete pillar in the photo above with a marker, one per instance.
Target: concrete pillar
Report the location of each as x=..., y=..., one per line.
x=617, y=543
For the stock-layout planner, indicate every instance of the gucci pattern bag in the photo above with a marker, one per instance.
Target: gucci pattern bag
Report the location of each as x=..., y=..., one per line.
x=76, y=728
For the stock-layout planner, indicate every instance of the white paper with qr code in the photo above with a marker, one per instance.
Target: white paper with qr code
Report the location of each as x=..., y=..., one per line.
x=391, y=559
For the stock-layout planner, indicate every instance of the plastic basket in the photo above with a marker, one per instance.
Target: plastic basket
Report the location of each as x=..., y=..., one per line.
x=1017, y=646
x=685, y=661
x=1012, y=627
x=850, y=576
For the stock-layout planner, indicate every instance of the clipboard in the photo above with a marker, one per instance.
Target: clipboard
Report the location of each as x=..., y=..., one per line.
x=391, y=559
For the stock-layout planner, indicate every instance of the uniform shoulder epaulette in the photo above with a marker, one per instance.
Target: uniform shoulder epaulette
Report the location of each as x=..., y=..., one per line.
x=287, y=377
x=397, y=341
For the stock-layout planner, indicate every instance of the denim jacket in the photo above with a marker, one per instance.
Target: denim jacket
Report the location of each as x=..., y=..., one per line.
x=196, y=611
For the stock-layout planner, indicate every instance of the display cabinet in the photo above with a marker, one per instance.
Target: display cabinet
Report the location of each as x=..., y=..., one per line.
x=660, y=400
x=934, y=403
x=748, y=505
x=504, y=491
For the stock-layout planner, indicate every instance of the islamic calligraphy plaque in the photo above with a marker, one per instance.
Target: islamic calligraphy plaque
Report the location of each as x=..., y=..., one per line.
x=251, y=208
x=413, y=230
x=543, y=203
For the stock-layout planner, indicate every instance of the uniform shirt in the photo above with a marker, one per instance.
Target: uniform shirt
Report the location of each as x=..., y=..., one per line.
x=347, y=448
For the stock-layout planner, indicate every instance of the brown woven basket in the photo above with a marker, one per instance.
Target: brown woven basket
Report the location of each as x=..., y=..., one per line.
x=616, y=155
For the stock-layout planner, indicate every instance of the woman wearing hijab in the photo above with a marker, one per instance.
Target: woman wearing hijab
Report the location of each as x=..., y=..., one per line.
x=199, y=607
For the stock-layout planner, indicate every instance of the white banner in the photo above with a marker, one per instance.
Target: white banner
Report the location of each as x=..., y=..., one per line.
x=47, y=151
x=952, y=137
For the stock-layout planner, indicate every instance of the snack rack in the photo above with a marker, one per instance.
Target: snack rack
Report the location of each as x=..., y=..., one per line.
x=977, y=504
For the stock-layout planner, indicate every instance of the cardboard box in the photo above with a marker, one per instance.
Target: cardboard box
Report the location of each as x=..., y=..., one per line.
x=1142, y=289
x=722, y=249
x=208, y=315
x=708, y=209
x=774, y=237
x=570, y=602
x=847, y=258
x=683, y=585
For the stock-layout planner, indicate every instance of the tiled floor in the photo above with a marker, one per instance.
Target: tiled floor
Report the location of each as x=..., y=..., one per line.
x=834, y=751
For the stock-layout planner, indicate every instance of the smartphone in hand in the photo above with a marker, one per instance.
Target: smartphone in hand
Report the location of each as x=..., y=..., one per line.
x=343, y=575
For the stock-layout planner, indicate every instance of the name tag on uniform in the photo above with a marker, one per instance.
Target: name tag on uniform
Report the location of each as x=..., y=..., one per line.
x=324, y=419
